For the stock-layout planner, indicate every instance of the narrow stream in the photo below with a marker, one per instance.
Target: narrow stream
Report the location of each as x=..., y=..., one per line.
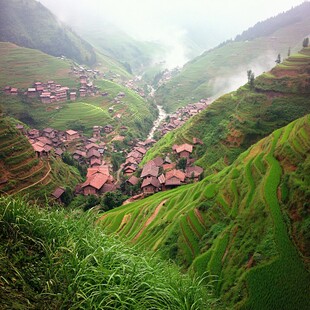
x=161, y=116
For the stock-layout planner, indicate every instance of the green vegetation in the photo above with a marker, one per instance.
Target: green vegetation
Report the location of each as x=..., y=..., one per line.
x=24, y=172
x=58, y=259
x=237, y=120
x=219, y=70
x=28, y=23
x=21, y=67
x=236, y=225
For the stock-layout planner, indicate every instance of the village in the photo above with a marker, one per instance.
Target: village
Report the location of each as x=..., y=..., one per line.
x=174, y=169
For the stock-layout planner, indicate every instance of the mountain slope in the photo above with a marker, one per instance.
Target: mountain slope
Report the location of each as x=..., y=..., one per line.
x=22, y=172
x=20, y=67
x=29, y=24
x=238, y=119
x=245, y=226
x=222, y=69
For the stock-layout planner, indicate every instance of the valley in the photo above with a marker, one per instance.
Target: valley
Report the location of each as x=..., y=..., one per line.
x=128, y=184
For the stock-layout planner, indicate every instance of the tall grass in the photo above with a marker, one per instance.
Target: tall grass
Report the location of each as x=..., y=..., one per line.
x=68, y=263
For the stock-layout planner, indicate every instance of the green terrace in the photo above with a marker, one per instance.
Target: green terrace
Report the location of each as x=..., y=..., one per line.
x=233, y=225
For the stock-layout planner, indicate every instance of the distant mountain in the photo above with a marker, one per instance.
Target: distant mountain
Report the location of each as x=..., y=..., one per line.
x=111, y=41
x=246, y=228
x=224, y=68
x=28, y=23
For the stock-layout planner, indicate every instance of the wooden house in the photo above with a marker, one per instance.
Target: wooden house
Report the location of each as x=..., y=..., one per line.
x=58, y=192
x=94, y=184
x=7, y=90
x=150, y=186
x=31, y=92
x=184, y=150
x=73, y=96
x=72, y=135
x=149, y=170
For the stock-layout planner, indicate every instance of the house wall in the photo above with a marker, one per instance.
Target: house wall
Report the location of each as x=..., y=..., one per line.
x=88, y=190
x=149, y=189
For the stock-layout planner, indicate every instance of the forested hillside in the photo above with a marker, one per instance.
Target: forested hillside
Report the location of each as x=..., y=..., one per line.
x=224, y=68
x=29, y=24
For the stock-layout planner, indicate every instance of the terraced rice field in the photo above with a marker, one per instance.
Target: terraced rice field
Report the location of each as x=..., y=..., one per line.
x=231, y=225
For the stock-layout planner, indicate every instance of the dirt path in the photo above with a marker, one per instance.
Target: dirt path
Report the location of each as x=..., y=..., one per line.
x=150, y=220
x=31, y=185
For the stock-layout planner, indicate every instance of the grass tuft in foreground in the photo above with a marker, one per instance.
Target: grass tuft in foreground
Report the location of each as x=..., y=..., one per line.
x=61, y=260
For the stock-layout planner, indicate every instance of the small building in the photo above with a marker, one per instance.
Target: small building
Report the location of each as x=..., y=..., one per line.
x=45, y=140
x=108, y=129
x=150, y=186
x=174, y=178
x=58, y=152
x=7, y=90
x=129, y=169
x=33, y=133
x=193, y=173
x=95, y=162
x=133, y=180
x=73, y=96
x=90, y=146
x=82, y=92
x=49, y=133
x=149, y=170
x=96, y=132
x=31, y=92
x=79, y=155
x=93, y=154
x=184, y=150
x=58, y=192
x=46, y=98
x=14, y=91
x=94, y=184
x=72, y=135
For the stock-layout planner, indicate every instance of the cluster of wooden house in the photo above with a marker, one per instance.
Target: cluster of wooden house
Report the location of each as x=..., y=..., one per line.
x=132, y=84
x=51, y=92
x=49, y=140
x=179, y=118
x=136, y=155
x=87, y=151
x=160, y=174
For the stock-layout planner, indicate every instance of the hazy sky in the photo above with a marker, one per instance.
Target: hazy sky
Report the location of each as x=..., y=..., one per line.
x=148, y=19
x=209, y=22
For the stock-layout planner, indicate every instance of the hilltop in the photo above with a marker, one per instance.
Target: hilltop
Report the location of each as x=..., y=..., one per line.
x=223, y=69
x=23, y=172
x=237, y=120
x=245, y=226
x=29, y=24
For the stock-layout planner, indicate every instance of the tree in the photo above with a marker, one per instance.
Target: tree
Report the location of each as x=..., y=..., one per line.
x=289, y=52
x=305, y=42
x=182, y=163
x=278, y=60
x=67, y=196
x=112, y=200
x=251, y=77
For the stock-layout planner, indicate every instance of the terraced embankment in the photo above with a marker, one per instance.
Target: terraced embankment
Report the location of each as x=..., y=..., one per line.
x=238, y=225
x=22, y=172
